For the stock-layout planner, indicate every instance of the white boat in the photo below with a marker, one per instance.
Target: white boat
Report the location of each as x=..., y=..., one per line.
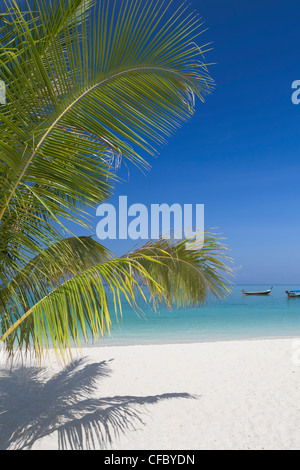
x=265, y=292
x=293, y=293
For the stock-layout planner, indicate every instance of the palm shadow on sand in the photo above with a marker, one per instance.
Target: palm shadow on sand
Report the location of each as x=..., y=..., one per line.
x=33, y=406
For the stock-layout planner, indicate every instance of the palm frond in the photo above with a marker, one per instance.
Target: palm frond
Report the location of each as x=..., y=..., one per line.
x=187, y=275
x=116, y=81
x=90, y=82
x=77, y=307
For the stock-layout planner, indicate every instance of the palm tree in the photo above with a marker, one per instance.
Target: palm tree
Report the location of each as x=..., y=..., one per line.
x=87, y=83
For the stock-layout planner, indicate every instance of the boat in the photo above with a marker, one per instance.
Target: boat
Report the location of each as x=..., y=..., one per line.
x=265, y=292
x=293, y=293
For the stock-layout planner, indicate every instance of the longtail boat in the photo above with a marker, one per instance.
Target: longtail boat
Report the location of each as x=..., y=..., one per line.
x=293, y=293
x=265, y=292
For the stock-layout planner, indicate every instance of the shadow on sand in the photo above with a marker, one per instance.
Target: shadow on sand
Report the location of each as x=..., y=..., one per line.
x=33, y=406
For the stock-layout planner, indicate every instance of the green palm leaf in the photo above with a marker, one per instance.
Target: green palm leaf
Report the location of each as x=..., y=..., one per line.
x=76, y=305
x=113, y=81
x=90, y=83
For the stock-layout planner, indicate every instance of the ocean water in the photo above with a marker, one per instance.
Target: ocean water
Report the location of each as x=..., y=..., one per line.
x=237, y=317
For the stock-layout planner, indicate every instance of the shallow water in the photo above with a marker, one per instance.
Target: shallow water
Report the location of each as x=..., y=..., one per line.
x=237, y=317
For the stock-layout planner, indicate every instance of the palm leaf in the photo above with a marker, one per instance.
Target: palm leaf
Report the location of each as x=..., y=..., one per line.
x=110, y=79
x=90, y=83
x=77, y=305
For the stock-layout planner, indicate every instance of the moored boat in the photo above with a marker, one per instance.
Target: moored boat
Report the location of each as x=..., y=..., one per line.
x=293, y=293
x=265, y=292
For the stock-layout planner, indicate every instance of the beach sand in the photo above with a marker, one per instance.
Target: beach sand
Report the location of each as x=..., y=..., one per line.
x=218, y=395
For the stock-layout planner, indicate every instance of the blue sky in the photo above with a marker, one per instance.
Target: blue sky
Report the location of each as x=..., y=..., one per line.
x=239, y=155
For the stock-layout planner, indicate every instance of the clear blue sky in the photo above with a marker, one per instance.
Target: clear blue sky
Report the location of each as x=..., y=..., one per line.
x=240, y=154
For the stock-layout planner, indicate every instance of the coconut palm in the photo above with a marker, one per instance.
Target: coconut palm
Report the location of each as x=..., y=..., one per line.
x=89, y=83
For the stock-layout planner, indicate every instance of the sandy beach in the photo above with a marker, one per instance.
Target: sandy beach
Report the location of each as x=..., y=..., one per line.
x=218, y=395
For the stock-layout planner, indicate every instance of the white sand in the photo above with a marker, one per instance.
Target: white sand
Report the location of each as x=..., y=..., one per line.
x=223, y=395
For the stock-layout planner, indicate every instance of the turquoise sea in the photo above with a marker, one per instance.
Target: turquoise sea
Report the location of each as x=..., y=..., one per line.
x=235, y=318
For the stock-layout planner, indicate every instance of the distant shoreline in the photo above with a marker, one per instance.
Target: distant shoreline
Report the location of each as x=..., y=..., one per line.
x=186, y=342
